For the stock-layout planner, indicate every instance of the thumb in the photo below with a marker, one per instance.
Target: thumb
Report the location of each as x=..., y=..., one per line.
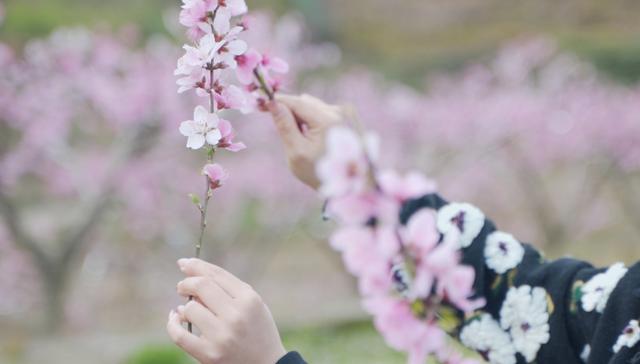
x=285, y=123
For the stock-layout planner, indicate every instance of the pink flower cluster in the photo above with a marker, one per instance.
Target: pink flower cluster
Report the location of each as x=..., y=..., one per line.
x=215, y=29
x=217, y=48
x=408, y=277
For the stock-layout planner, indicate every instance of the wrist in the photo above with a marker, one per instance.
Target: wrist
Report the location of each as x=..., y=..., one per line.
x=276, y=355
x=291, y=357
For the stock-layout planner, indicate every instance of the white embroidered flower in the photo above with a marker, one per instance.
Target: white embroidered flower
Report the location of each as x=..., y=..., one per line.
x=524, y=314
x=203, y=128
x=461, y=218
x=485, y=336
x=586, y=351
x=629, y=337
x=596, y=292
x=502, y=251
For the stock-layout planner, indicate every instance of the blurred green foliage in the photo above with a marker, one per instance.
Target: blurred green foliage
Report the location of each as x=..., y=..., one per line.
x=159, y=354
x=421, y=36
x=618, y=60
x=27, y=19
x=354, y=342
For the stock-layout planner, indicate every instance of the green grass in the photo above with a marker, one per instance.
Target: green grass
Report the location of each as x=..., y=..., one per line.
x=356, y=342
x=36, y=18
x=346, y=343
x=349, y=343
x=158, y=354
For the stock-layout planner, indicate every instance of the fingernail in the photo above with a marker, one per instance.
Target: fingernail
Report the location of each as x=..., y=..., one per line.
x=180, y=309
x=182, y=263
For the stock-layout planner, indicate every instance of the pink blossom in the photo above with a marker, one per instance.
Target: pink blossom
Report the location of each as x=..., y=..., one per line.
x=235, y=7
x=359, y=209
x=228, y=134
x=194, y=15
x=355, y=240
x=216, y=175
x=387, y=241
x=421, y=235
x=231, y=48
x=275, y=64
x=231, y=97
x=196, y=79
x=375, y=279
x=227, y=10
x=352, y=209
x=222, y=21
x=402, y=330
x=456, y=285
x=198, y=57
x=247, y=62
x=345, y=167
x=422, y=282
x=412, y=185
x=441, y=259
x=364, y=258
x=270, y=65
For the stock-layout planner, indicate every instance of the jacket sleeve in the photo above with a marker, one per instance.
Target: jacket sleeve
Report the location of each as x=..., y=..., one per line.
x=537, y=310
x=291, y=358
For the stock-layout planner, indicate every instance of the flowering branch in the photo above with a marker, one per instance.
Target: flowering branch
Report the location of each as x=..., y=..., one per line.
x=263, y=84
x=412, y=282
x=217, y=48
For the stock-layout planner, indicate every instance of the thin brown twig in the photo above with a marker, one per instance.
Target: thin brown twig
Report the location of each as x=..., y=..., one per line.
x=263, y=84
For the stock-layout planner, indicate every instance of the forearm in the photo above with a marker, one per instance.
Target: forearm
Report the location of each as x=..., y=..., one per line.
x=549, y=311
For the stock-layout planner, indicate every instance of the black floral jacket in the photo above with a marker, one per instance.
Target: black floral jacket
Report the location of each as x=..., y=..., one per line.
x=538, y=311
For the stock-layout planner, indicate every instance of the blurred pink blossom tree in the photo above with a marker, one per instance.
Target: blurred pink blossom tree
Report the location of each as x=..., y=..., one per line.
x=89, y=129
x=88, y=145
x=534, y=135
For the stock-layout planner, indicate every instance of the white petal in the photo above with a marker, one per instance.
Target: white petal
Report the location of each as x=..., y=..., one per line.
x=200, y=114
x=211, y=120
x=187, y=128
x=208, y=44
x=195, y=141
x=235, y=31
x=237, y=47
x=222, y=21
x=238, y=7
x=214, y=136
x=344, y=142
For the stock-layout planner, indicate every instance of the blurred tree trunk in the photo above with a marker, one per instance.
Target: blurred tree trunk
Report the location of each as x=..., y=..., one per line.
x=54, y=287
x=555, y=225
x=55, y=267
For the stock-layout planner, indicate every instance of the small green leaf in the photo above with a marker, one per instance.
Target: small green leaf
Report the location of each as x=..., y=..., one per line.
x=210, y=153
x=195, y=199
